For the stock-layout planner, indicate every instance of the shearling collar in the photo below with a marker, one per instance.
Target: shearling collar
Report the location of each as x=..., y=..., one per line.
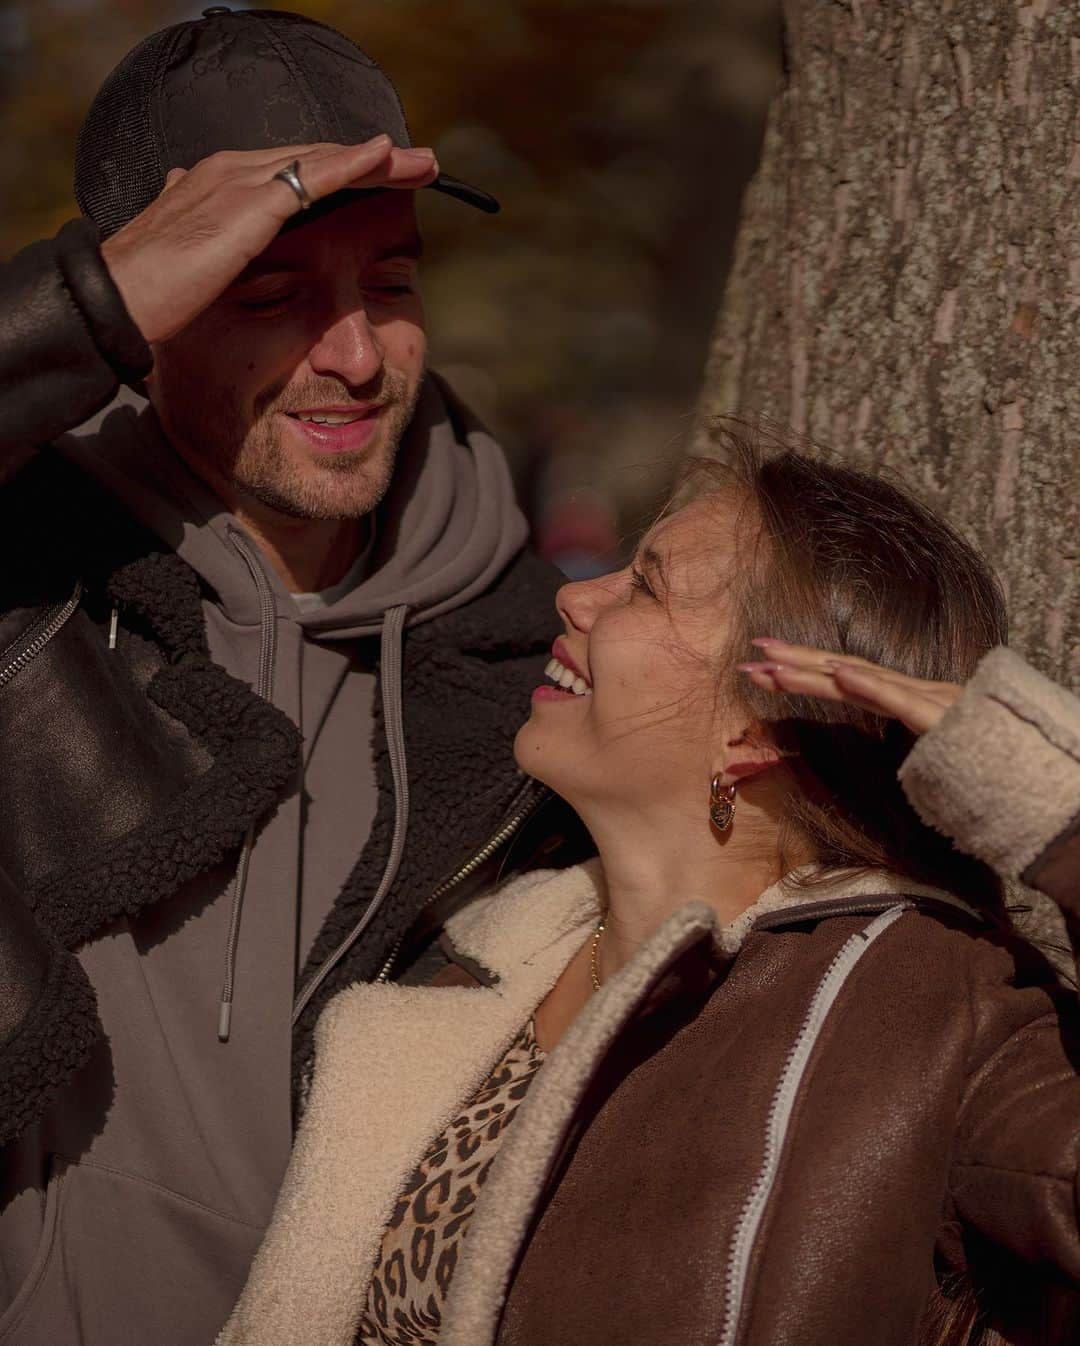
x=518, y=924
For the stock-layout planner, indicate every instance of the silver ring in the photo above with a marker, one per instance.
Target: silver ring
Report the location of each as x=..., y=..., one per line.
x=291, y=175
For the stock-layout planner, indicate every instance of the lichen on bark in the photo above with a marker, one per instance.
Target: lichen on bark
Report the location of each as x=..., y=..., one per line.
x=906, y=283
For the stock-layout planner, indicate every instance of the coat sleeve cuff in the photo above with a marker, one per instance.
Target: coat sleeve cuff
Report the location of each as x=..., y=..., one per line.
x=1000, y=772
x=90, y=284
x=65, y=341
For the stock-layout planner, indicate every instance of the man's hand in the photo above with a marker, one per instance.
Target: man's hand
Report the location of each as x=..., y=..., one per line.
x=176, y=257
x=803, y=671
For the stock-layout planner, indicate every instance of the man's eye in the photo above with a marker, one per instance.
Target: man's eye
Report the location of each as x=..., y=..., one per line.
x=639, y=584
x=268, y=301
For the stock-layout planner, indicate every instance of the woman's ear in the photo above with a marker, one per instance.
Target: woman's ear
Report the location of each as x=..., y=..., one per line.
x=747, y=754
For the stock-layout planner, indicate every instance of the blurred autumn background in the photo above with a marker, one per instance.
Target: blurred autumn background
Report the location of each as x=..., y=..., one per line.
x=618, y=137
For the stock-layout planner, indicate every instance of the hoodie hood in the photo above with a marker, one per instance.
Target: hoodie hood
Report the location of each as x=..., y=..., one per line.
x=448, y=526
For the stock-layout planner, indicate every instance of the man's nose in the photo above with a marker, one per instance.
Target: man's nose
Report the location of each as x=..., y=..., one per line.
x=348, y=350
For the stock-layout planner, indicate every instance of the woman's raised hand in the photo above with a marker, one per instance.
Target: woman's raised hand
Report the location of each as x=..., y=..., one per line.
x=803, y=671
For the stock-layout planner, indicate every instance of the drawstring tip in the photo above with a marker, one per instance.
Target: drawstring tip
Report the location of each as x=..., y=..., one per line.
x=224, y=1020
x=114, y=622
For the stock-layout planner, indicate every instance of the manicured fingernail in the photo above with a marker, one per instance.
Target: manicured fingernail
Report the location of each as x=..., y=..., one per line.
x=377, y=141
x=419, y=154
x=761, y=666
x=765, y=640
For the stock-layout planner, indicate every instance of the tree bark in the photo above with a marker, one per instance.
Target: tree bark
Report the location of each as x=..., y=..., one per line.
x=906, y=282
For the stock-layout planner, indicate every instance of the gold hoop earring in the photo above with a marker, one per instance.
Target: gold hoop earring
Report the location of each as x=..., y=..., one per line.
x=721, y=804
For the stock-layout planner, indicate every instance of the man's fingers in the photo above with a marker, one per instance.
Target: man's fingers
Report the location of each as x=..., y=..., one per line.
x=376, y=164
x=400, y=168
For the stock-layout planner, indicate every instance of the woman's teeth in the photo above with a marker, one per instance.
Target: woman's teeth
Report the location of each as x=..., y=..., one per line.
x=567, y=679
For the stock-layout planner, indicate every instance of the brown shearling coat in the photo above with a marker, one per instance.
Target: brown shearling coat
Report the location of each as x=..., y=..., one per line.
x=774, y=1133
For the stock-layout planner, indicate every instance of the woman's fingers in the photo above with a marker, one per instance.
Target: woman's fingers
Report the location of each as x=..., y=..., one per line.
x=806, y=656
x=918, y=705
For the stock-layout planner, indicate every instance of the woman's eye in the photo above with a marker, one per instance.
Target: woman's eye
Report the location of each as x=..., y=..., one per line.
x=639, y=584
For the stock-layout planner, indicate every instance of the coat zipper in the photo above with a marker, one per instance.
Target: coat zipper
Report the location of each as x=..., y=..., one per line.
x=521, y=811
x=778, y=1121
x=30, y=644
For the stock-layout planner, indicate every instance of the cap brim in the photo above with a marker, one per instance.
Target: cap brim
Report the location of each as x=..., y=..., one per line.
x=472, y=196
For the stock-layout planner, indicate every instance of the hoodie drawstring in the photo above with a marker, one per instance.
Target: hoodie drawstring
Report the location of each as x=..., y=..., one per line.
x=265, y=688
x=390, y=669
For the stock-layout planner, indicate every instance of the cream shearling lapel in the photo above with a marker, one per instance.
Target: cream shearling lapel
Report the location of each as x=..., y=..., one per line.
x=393, y=1065
x=505, y=1205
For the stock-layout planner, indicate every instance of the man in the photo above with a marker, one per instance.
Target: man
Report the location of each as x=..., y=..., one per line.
x=264, y=648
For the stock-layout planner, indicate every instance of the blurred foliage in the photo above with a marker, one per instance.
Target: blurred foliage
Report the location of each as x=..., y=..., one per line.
x=618, y=137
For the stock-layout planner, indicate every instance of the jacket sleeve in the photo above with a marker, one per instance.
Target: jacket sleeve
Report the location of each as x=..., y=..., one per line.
x=66, y=343
x=48, y=1015
x=1000, y=774
x=1015, y=1168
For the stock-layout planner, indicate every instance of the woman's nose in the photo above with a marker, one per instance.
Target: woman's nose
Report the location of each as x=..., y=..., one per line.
x=580, y=602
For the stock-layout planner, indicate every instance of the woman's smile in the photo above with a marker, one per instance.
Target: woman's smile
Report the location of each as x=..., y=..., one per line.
x=570, y=682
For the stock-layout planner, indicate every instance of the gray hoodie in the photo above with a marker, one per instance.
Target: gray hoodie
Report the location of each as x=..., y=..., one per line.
x=168, y=1149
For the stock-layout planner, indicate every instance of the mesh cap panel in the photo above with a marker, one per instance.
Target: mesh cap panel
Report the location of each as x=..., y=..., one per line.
x=118, y=165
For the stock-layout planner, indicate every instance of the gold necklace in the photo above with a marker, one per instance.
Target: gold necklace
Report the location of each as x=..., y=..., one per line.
x=594, y=964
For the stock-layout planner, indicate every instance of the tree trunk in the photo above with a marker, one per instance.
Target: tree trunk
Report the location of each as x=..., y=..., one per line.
x=906, y=283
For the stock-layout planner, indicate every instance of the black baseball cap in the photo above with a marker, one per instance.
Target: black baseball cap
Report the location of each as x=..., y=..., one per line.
x=232, y=80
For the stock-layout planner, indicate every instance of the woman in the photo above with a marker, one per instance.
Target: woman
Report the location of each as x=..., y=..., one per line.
x=770, y=1067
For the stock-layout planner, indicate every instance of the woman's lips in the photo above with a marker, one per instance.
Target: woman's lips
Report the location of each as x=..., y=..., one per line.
x=560, y=652
x=346, y=438
x=548, y=692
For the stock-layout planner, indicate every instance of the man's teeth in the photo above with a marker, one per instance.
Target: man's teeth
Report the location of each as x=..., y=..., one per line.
x=331, y=418
x=567, y=678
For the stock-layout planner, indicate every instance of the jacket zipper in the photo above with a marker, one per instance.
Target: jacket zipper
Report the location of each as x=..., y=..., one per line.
x=778, y=1121
x=30, y=644
x=532, y=797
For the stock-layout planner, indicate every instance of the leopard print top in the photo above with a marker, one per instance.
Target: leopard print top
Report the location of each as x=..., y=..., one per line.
x=421, y=1244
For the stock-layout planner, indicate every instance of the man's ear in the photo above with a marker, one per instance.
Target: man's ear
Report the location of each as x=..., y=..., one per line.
x=747, y=754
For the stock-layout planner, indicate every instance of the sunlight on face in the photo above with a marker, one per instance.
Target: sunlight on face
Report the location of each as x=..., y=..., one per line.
x=647, y=640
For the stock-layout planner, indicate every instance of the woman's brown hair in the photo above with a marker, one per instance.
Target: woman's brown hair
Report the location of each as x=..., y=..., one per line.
x=852, y=563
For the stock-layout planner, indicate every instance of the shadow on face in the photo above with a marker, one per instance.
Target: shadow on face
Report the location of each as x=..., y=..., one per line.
x=294, y=387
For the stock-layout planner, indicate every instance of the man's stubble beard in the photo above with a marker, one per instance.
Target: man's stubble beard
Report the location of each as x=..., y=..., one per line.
x=253, y=461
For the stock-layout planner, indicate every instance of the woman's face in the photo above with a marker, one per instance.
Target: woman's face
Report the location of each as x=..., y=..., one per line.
x=640, y=728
